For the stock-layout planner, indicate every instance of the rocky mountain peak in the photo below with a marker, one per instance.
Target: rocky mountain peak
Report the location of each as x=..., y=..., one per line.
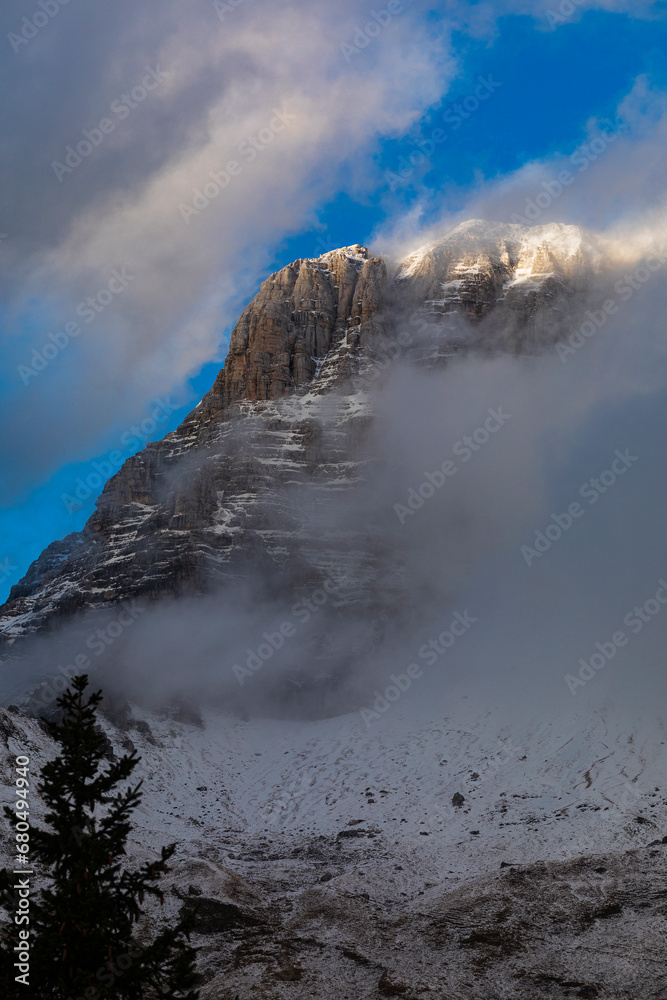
x=479, y=264
x=200, y=507
x=300, y=314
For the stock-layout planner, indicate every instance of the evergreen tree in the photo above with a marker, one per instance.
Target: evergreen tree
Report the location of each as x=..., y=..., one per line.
x=83, y=941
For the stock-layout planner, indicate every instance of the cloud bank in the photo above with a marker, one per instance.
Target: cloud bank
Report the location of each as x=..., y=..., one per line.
x=141, y=205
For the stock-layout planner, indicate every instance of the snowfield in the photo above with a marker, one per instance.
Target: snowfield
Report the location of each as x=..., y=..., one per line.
x=328, y=860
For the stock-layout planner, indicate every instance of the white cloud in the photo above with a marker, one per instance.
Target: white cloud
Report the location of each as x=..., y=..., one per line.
x=482, y=17
x=120, y=207
x=616, y=185
x=225, y=83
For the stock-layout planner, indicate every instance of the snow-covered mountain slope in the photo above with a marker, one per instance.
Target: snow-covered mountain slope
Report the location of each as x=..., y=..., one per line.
x=529, y=255
x=330, y=861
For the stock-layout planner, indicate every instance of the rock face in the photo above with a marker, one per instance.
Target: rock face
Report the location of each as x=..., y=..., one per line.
x=300, y=315
x=290, y=408
x=516, y=285
x=481, y=264
x=189, y=511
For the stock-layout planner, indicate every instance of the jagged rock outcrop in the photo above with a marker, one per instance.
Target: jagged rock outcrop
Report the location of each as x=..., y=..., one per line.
x=480, y=264
x=299, y=315
x=192, y=509
x=517, y=286
x=217, y=495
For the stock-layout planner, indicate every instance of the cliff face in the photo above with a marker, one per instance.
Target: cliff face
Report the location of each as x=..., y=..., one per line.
x=514, y=288
x=479, y=265
x=300, y=315
x=195, y=509
x=290, y=408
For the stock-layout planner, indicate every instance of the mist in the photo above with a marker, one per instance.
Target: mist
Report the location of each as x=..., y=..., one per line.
x=520, y=495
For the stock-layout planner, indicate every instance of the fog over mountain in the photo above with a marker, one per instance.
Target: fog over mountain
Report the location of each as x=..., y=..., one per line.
x=334, y=389
x=405, y=441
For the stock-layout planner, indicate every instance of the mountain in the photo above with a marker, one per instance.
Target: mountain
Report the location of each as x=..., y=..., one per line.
x=451, y=845
x=291, y=408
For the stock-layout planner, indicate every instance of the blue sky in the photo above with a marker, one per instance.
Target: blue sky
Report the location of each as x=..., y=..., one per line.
x=331, y=187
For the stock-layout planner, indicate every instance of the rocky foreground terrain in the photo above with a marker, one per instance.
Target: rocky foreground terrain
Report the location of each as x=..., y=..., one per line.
x=327, y=859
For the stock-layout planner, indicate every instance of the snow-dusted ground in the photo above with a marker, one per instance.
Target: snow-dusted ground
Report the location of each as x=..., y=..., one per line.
x=551, y=790
x=333, y=863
